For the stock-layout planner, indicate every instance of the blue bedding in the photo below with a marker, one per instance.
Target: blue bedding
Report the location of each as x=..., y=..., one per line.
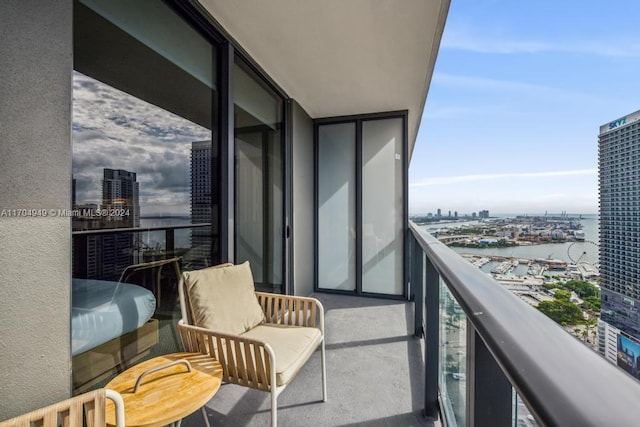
x=103, y=310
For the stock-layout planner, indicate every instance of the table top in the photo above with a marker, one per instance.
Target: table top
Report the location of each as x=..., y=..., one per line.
x=169, y=394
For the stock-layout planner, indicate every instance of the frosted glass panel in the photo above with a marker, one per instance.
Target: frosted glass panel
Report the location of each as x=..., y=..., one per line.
x=337, y=206
x=382, y=207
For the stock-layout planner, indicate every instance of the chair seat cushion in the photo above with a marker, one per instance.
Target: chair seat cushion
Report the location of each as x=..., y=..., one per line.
x=292, y=345
x=223, y=299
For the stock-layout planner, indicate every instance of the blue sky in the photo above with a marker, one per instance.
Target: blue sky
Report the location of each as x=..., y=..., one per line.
x=519, y=91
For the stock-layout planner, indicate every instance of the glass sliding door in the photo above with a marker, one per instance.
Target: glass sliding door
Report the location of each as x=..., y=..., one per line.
x=259, y=178
x=337, y=207
x=382, y=206
x=145, y=189
x=361, y=215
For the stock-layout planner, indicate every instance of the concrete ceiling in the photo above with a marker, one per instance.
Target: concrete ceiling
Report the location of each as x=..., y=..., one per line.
x=342, y=57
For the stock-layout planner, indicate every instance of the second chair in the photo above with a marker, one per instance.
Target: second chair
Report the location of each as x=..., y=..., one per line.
x=261, y=339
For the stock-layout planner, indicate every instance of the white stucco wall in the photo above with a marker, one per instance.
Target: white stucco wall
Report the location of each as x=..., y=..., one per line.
x=35, y=173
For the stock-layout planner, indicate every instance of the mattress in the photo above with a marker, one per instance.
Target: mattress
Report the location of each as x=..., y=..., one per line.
x=103, y=310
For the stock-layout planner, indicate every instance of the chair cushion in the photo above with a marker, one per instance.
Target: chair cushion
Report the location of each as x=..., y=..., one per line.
x=292, y=345
x=223, y=299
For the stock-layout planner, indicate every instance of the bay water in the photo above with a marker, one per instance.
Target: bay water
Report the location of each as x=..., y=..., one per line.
x=570, y=252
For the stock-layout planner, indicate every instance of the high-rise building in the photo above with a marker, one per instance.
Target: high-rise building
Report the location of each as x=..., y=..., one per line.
x=200, y=202
x=619, y=184
x=106, y=256
x=121, y=195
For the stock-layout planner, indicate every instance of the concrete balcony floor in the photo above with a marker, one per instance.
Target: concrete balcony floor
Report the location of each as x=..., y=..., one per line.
x=375, y=374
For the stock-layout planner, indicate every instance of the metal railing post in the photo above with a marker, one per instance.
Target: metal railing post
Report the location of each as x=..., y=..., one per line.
x=489, y=392
x=417, y=286
x=431, y=340
x=169, y=238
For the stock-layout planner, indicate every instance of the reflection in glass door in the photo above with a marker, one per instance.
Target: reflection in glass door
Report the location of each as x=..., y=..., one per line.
x=145, y=148
x=259, y=175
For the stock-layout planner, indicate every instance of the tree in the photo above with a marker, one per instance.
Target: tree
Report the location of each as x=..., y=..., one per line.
x=590, y=325
x=562, y=310
x=582, y=288
x=562, y=294
x=592, y=303
x=585, y=335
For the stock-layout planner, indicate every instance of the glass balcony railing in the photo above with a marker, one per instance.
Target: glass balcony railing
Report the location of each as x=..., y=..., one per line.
x=115, y=326
x=493, y=360
x=105, y=253
x=452, y=369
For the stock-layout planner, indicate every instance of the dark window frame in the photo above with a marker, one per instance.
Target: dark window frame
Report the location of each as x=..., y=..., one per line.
x=359, y=119
x=198, y=17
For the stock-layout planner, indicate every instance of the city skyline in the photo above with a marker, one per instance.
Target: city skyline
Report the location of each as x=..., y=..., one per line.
x=516, y=100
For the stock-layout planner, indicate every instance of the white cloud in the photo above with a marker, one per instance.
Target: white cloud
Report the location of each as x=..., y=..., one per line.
x=446, y=180
x=484, y=83
x=494, y=86
x=478, y=41
x=112, y=129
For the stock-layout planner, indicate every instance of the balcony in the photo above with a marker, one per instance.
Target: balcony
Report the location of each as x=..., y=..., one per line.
x=375, y=374
x=482, y=345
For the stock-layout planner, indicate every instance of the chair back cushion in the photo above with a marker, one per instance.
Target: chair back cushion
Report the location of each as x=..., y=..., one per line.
x=223, y=299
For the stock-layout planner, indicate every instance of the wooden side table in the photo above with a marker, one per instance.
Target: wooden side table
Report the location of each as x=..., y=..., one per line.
x=165, y=389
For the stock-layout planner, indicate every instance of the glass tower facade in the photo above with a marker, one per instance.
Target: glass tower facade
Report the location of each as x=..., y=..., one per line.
x=619, y=183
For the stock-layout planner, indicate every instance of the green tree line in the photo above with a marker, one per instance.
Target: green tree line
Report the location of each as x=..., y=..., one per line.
x=565, y=312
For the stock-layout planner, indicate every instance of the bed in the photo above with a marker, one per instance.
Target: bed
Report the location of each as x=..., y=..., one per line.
x=103, y=310
x=111, y=328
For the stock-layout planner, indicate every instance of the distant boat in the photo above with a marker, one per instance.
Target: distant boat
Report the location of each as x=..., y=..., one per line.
x=503, y=267
x=579, y=235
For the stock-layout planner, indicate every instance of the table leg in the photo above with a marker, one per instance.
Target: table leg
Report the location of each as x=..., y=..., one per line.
x=206, y=419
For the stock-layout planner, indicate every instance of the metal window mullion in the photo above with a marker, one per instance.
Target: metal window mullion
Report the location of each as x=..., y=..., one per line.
x=226, y=157
x=287, y=217
x=267, y=231
x=316, y=205
x=358, y=167
x=405, y=203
